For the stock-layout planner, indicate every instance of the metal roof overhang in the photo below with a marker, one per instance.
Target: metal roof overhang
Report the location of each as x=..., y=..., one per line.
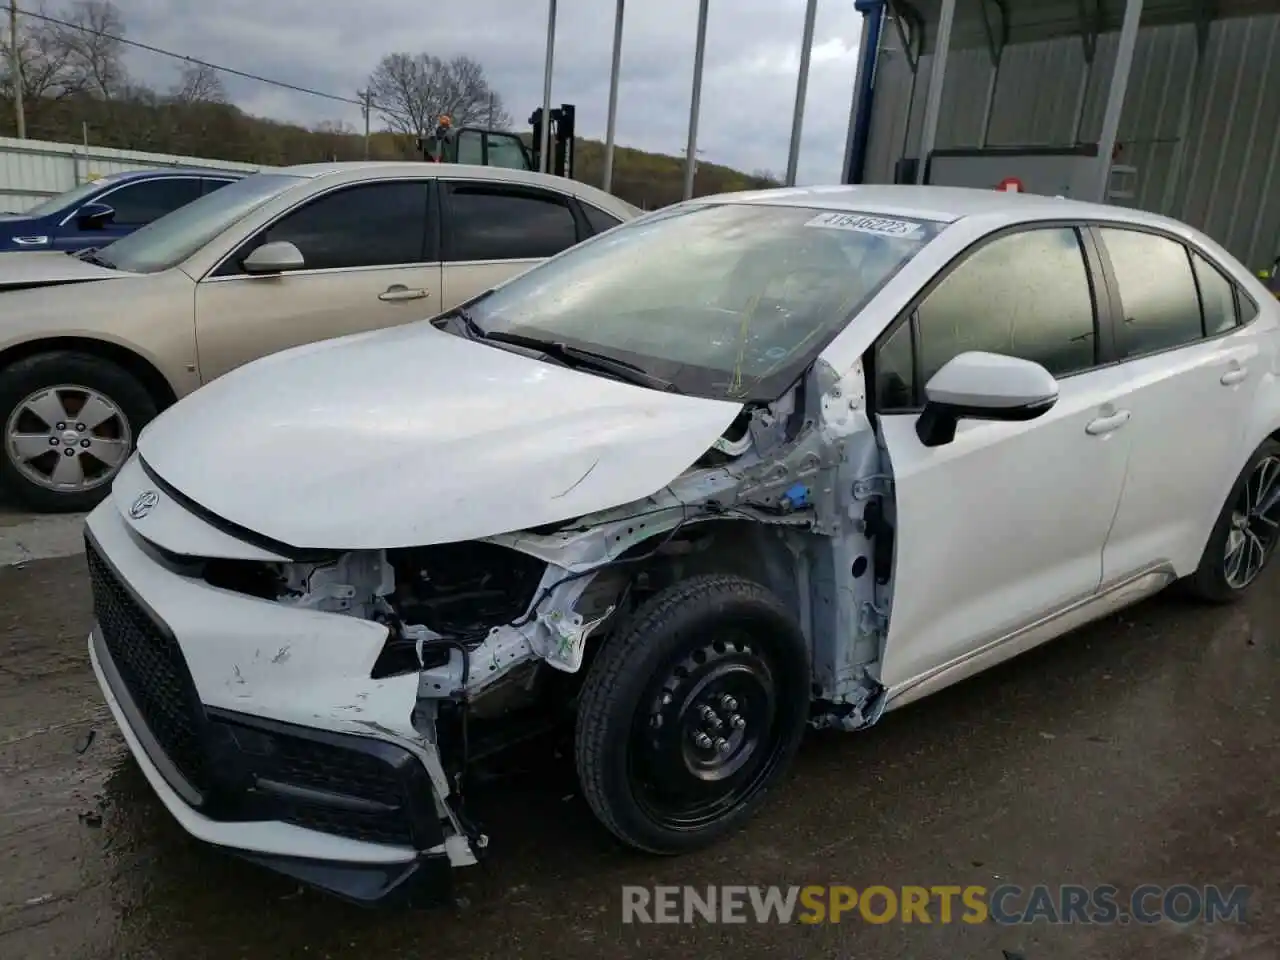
x=1026, y=21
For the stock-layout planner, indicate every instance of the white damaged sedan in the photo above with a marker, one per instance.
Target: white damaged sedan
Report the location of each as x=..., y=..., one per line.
x=742, y=466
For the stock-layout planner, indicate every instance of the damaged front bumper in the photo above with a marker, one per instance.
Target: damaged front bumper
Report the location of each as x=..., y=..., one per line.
x=259, y=728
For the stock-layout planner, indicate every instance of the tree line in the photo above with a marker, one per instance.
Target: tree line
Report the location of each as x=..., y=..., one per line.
x=75, y=86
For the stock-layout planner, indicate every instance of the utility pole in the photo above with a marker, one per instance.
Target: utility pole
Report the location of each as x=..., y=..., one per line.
x=490, y=126
x=366, y=109
x=18, y=81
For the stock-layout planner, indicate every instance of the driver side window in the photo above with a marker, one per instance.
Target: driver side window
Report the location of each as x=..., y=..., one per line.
x=1025, y=295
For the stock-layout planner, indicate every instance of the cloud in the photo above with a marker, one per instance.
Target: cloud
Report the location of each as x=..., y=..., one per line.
x=749, y=78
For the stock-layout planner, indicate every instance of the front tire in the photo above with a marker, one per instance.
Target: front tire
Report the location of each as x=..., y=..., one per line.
x=1245, y=535
x=70, y=420
x=691, y=713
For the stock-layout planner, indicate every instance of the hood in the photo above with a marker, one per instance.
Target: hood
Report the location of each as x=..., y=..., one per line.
x=413, y=436
x=50, y=267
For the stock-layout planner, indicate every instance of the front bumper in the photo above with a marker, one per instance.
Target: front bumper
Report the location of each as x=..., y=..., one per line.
x=354, y=813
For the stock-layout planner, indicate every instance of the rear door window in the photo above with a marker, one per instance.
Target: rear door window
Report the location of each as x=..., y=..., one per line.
x=214, y=183
x=136, y=204
x=1217, y=297
x=499, y=223
x=1158, y=294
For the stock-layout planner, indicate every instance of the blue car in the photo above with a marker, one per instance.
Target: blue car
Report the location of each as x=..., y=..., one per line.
x=102, y=210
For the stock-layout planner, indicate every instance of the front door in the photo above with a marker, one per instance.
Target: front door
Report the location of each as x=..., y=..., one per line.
x=1005, y=524
x=369, y=262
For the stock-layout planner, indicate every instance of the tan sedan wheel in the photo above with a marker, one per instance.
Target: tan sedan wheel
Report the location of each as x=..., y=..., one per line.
x=70, y=422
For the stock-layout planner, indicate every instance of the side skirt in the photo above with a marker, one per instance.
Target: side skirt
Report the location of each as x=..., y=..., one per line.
x=1076, y=614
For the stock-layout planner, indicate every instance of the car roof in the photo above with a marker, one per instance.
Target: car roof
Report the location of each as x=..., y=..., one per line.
x=126, y=175
x=358, y=169
x=940, y=204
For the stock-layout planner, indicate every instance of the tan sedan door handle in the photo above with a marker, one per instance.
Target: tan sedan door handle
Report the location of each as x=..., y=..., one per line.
x=398, y=291
x=1104, y=425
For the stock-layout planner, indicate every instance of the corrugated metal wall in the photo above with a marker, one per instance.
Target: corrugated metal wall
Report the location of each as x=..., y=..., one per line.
x=1225, y=181
x=31, y=170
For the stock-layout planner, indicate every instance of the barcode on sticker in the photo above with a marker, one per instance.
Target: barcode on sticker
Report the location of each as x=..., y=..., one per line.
x=884, y=226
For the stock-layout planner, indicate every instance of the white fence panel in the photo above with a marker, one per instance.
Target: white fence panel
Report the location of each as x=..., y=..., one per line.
x=31, y=170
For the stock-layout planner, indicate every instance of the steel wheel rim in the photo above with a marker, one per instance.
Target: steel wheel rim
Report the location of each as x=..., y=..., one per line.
x=1255, y=523
x=706, y=737
x=67, y=438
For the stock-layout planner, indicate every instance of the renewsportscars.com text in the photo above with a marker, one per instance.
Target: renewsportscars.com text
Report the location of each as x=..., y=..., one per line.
x=1006, y=905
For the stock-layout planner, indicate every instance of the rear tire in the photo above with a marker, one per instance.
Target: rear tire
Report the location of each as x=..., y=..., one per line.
x=1245, y=534
x=691, y=713
x=69, y=422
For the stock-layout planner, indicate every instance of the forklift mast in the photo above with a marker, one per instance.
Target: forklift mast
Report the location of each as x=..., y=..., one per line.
x=499, y=148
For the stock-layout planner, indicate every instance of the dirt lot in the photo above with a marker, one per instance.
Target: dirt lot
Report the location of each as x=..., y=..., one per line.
x=1143, y=750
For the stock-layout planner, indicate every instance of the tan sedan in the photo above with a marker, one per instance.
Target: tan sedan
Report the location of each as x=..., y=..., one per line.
x=93, y=345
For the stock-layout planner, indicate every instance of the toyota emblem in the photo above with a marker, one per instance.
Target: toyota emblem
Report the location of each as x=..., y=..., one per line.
x=145, y=503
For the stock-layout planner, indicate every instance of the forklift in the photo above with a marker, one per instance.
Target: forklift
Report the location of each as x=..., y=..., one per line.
x=497, y=148
x=1271, y=277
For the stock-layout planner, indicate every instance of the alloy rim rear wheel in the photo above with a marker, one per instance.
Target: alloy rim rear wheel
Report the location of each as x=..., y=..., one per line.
x=1255, y=525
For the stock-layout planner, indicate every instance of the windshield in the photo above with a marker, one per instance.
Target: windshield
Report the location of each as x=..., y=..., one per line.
x=729, y=301
x=169, y=240
x=70, y=198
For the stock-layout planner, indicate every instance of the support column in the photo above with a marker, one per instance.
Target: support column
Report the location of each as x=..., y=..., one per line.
x=937, y=76
x=699, y=54
x=802, y=87
x=1115, y=98
x=855, y=139
x=544, y=158
x=610, y=128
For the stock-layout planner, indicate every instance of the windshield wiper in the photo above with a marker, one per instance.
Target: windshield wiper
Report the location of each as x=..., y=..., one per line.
x=468, y=322
x=577, y=356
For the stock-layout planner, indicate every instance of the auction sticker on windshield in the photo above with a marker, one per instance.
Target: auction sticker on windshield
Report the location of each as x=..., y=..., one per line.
x=882, y=226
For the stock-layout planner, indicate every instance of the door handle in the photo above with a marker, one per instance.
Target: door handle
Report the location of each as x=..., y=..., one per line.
x=398, y=291
x=1234, y=376
x=1104, y=425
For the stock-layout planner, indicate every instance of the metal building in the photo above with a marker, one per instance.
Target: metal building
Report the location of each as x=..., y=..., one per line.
x=1196, y=131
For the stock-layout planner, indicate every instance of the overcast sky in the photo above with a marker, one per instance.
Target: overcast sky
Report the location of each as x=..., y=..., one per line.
x=748, y=84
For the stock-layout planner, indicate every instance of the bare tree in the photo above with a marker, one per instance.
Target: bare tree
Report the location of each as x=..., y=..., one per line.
x=198, y=83
x=412, y=91
x=44, y=66
x=93, y=41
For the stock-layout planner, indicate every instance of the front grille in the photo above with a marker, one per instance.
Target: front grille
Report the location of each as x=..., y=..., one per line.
x=152, y=667
x=324, y=767
x=339, y=784
x=349, y=786
x=391, y=828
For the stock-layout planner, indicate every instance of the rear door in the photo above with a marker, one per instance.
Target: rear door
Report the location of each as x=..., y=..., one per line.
x=1005, y=525
x=370, y=261
x=493, y=231
x=1193, y=370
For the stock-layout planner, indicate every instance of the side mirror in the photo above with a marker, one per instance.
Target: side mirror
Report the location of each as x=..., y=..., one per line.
x=278, y=256
x=95, y=216
x=983, y=386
